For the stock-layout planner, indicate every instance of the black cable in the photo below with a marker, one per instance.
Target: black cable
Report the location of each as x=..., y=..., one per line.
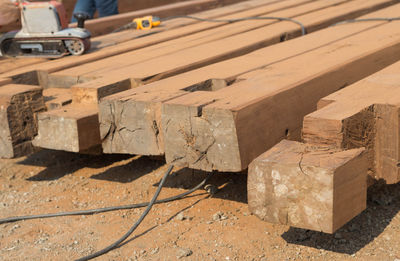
x=388, y=19
x=303, y=29
x=106, y=209
x=130, y=231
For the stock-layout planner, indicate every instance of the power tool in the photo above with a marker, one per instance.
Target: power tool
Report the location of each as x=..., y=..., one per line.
x=146, y=23
x=45, y=33
x=142, y=23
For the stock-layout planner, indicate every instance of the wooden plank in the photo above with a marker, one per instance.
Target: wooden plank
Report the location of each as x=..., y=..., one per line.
x=107, y=24
x=33, y=74
x=140, y=108
x=115, y=38
x=4, y=81
x=99, y=42
x=71, y=124
x=197, y=56
x=308, y=187
x=160, y=65
x=9, y=64
x=18, y=107
x=365, y=114
x=225, y=130
x=163, y=51
x=56, y=98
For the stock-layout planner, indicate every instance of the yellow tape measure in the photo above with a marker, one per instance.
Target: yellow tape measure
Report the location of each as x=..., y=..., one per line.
x=147, y=22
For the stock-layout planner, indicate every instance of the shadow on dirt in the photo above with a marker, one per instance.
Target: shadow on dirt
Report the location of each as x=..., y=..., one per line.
x=131, y=171
x=61, y=163
x=232, y=186
x=383, y=205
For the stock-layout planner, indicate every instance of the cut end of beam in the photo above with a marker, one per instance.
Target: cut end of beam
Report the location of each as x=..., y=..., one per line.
x=308, y=187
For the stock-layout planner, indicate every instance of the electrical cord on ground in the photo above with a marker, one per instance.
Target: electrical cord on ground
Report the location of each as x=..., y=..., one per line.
x=137, y=223
x=303, y=29
x=106, y=209
x=388, y=19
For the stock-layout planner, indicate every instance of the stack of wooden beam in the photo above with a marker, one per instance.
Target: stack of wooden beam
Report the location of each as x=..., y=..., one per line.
x=216, y=96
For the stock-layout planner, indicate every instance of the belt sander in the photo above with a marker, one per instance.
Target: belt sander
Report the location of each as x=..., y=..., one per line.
x=45, y=33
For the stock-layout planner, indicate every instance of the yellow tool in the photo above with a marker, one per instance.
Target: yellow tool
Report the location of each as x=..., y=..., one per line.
x=146, y=23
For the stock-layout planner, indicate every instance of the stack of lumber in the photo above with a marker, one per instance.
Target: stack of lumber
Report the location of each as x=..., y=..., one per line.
x=322, y=183
x=216, y=96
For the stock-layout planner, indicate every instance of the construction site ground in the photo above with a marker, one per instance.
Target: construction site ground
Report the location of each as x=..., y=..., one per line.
x=199, y=227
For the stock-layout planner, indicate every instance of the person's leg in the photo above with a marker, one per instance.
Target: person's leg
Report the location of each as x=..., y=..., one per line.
x=107, y=7
x=87, y=6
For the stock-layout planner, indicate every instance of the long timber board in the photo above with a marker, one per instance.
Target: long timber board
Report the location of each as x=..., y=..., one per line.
x=225, y=130
x=192, y=57
x=140, y=108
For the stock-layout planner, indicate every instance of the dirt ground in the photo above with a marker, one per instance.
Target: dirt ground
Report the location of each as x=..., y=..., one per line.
x=200, y=227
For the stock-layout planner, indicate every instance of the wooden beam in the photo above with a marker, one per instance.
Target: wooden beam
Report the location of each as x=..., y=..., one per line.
x=205, y=53
x=4, y=81
x=176, y=28
x=365, y=114
x=140, y=108
x=225, y=130
x=18, y=107
x=56, y=98
x=308, y=187
x=107, y=24
x=76, y=127
x=127, y=61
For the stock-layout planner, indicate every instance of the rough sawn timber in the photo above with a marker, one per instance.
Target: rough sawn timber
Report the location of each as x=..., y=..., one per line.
x=128, y=61
x=141, y=106
x=305, y=186
x=132, y=40
x=365, y=114
x=227, y=129
x=175, y=63
x=18, y=107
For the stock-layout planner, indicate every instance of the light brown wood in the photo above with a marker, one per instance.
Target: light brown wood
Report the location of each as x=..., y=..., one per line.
x=140, y=108
x=365, y=114
x=56, y=97
x=76, y=127
x=308, y=187
x=225, y=130
x=4, y=81
x=176, y=28
x=107, y=24
x=18, y=107
x=127, y=61
x=90, y=92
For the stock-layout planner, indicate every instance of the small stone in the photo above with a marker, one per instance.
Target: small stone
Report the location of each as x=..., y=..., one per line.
x=217, y=216
x=154, y=251
x=183, y=252
x=180, y=217
x=338, y=235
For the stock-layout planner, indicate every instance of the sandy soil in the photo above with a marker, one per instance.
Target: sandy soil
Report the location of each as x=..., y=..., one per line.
x=200, y=227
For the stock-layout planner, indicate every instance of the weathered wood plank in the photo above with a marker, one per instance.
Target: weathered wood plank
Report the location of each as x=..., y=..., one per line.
x=140, y=108
x=308, y=187
x=107, y=24
x=225, y=130
x=176, y=28
x=56, y=98
x=117, y=63
x=18, y=107
x=89, y=92
x=76, y=127
x=365, y=114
